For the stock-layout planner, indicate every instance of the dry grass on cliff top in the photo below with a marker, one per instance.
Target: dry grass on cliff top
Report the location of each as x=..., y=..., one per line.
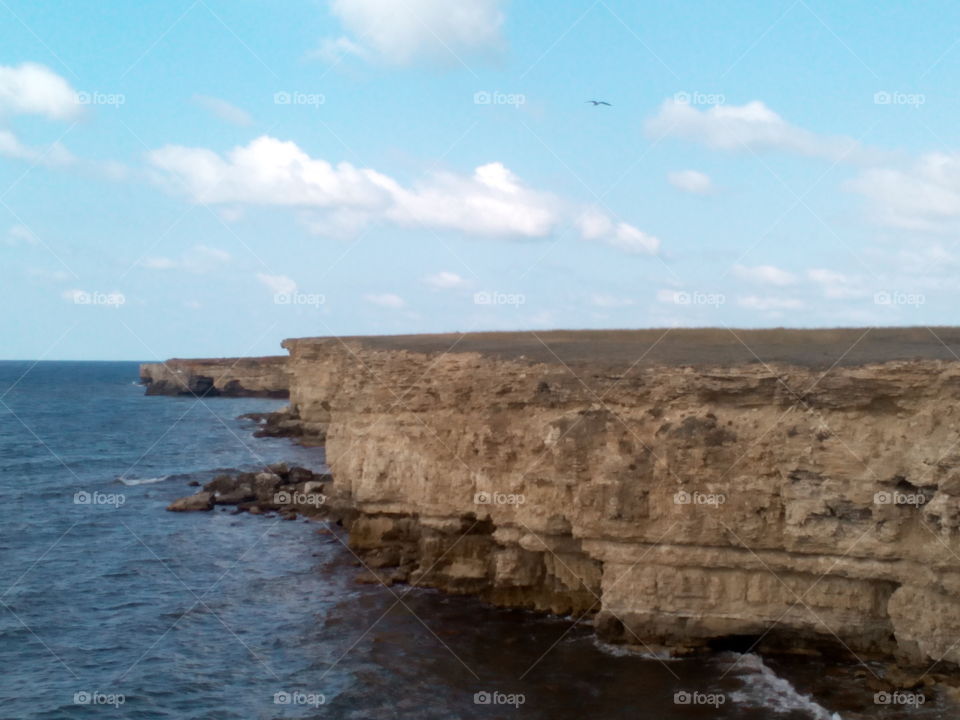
x=687, y=346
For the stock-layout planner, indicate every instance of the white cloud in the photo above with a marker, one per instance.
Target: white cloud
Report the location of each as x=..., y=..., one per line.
x=21, y=234
x=752, y=127
x=400, y=33
x=754, y=302
x=596, y=226
x=764, y=275
x=610, y=301
x=444, y=280
x=278, y=284
x=224, y=110
x=199, y=259
x=387, y=300
x=55, y=154
x=924, y=196
x=33, y=89
x=691, y=181
x=342, y=198
x=835, y=285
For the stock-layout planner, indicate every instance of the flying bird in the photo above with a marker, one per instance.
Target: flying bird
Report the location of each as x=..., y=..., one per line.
x=599, y=102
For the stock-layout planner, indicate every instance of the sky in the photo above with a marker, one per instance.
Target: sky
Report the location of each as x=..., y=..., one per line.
x=202, y=178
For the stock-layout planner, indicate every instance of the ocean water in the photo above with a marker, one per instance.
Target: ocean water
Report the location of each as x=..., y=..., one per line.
x=112, y=607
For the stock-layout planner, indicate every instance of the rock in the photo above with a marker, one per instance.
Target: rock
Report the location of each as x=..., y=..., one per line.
x=234, y=497
x=222, y=483
x=313, y=488
x=280, y=469
x=299, y=475
x=193, y=483
x=230, y=377
x=265, y=485
x=202, y=501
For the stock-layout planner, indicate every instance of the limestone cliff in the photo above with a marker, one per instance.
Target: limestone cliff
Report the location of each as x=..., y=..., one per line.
x=688, y=488
x=230, y=377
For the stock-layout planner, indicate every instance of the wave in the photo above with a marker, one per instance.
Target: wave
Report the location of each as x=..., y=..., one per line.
x=143, y=481
x=663, y=655
x=763, y=686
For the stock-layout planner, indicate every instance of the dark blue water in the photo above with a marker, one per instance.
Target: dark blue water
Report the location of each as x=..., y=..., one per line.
x=112, y=607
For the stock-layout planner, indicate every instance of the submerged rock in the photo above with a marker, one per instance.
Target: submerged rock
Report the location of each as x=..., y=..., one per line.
x=202, y=501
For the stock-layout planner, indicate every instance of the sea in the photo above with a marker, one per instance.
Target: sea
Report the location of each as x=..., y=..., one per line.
x=112, y=607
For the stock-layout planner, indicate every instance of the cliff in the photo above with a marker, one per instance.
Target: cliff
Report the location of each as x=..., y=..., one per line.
x=690, y=488
x=230, y=377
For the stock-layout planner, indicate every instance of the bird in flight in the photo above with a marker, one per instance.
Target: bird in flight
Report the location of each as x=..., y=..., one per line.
x=599, y=102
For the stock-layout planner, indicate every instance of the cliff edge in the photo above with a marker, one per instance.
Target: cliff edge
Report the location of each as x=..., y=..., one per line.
x=229, y=377
x=689, y=488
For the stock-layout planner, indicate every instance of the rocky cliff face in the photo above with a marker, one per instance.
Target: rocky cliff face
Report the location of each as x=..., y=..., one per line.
x=231, y=377
x=684, y=505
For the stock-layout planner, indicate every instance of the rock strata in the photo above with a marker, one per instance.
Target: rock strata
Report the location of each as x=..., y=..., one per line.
x=228, y=377
x=684, y=501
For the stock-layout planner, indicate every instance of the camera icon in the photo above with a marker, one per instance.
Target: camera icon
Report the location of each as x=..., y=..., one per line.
x=881, y=98
x=482, y=98
x=82, y=498
x=682, y=497
x=281, y=98
x=282, y=299
x=282, y=698
x=482, y=298
x=682, y=697
x=883, y=498
x=84, y=98
x=482, y=698
x=882, y=698
x=282, y=498
x=82, y=698
x=682, y=98
x=482, y=498
x=882, y=298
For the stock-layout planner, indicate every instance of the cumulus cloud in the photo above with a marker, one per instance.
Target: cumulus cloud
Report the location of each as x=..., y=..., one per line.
x=199, y=259
x=597, y=227
x=55, y=154
x=490, y=202
x=224, y=110
x=400, y=33
x=386, y=300
x=33, y=89
x=835, y=285
x=764, y=275
x=768, y=304
x=923, y=196
x=444, y=280
x=753, y=127
x=691, y=181
x=278, y=284
x=21, y=234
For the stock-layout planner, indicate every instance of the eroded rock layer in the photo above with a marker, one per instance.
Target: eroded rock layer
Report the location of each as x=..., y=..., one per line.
x=230, y=377
x=685, y=504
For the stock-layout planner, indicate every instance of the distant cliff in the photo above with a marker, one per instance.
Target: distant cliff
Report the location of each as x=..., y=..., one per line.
x=688, y=488
x=229, y=377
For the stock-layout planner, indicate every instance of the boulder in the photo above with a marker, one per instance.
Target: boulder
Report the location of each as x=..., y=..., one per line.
x=202, y=501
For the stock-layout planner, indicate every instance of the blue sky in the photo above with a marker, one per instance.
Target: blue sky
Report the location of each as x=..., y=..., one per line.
x=197, y=178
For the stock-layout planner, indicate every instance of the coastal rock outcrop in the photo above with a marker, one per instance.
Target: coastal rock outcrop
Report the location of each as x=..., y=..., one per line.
x=775, y=490
x=229, y=377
